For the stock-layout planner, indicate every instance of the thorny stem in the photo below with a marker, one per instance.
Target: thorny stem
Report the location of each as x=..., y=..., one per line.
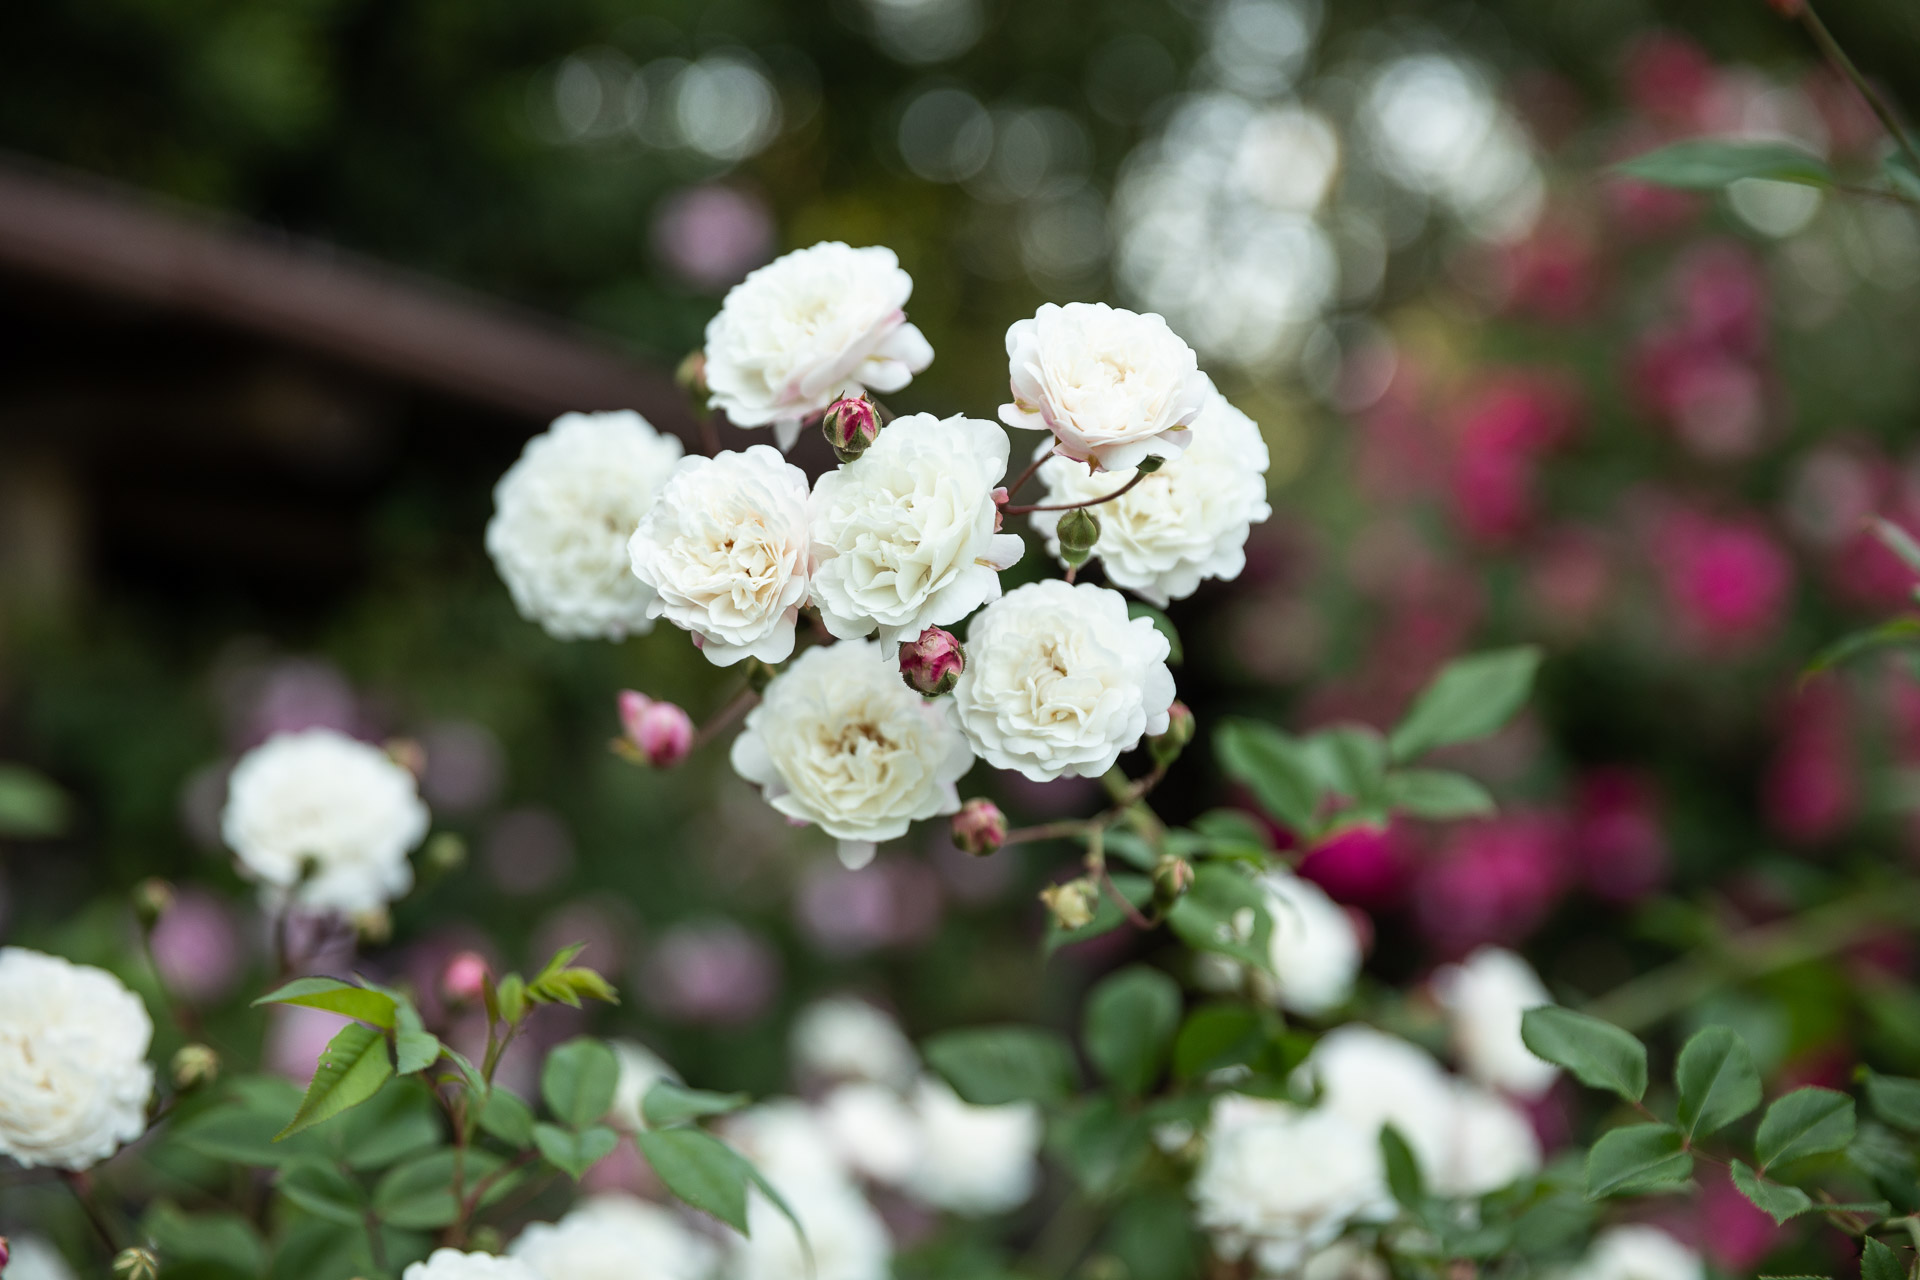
x=1075, y=506
x=1838, y=56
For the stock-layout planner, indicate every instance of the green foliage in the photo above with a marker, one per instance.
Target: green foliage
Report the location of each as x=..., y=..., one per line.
x=574, y=1151
x=1878, y=1262
x=352, y=1069
x=668, y=1102
x=1404, y=1179
x=1130, y=1022
x=1470, y=698
x=1636, y=1159
x=578, y=1081
x=1215, y=1037
x=702, y=1170
x=1708, y=164
x=30, y=806
x=507, y=1117
x=1806, y=1122
x=1272, y=766
x=1107, y=915
x=1225, y=912
x=991, y=1065
x=1597, y=1053
x=1778, y=1201
x=1894, y=1099
x=1436, y=795
x=376, y=1008
x=1717, y=1080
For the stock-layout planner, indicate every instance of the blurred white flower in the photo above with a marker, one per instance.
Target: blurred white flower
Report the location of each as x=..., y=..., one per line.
x=1373, y=1079
x=35, y=1258
x=839, y=740
x=808, y=328
x=1637, y=1252
x=848, y=1239
x=904, y=536
x=74, y=1077
x=725, y=552
x=324, y=820
x=873, y=1130
x=562, y=515
x=604, y=1237
x=1315, y=950
x=1186, y=522
x=788, y=1144
x=1345, y=1260
x=640, y=1069
x=845, y=1038
x=973, y=1160
x=1113, y=387
x=1280, y=1182
x=1490, y=1144
x=1060, y=681
x=1484, y=996
x=451, y=1264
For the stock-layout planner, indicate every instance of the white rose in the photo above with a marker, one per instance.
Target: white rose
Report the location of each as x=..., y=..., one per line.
x=724, y=550
x=562, y=516
x=451, y=1264
x=1637, y=1252
x=1315, y=951
x=640, y=1069
x=787, y=1142
x=1373, y=1079
x=973, y=1160
x=848, y=1239
x=325, y=820
x=603, y=1238
x=1345, y=1260
x=1281, y=1182
x=1060, y=681
x=903, y=536
x=74, y=1079
x=845, y=1038
x=1112, y=386
x=839, y=740
x=1484, y=996
x=1186, y=522
x=35, y=1258
x=808, y=328
x=873, y=1130
x=1490, y=1145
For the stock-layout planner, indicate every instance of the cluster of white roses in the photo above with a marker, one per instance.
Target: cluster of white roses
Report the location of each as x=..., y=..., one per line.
x=1280, y=1183
x=905, y=537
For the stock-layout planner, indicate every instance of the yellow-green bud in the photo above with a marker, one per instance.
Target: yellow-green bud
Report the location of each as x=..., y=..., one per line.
x=136, y=1264
x=195, y=1066
x=1071, y=904
x=152, y=898
x=1078, y=532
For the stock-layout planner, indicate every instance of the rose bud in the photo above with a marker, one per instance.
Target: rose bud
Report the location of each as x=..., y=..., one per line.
x=851, y=423
x=662, y=732
x=194, y=1066
x=136, y=1264
x=1166, y=747
x=932, y=664
x=691, y=377
x=1172, y=877
x=464, y=978
x=1071, y=904
x=152, y=898
x=980, y=828
x=1077, y=532
x=5, y=1253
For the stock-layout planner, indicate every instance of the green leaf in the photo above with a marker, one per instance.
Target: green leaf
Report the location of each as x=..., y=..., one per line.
x=1216, y=1037
x=668, y=1103
x=572, y=1152
x=578, y=1081
x=335, y=996
x=240, y=1128
x=419, y=1195
x=1879, y=1262
x=1776, y=1200
x=400, y=1121
x=1273, y=767
x=991, y=1065
x=221, y=1239
x=1131, y=1019
x=1348, y=760
x=1637, y=1159
x=1598, y=1053
x=1805, y=1122
x=1103, y=1145
x=1107, y=915
x=1894, y=632
x=324, y=1191
x=1161, y=623
x=1717, y=1080
x=701, y=1170
x=1470, y=698
x=1225, y=912
x=352, y=1068
x=414, y=1048
x=1436, y=794
x=30, y=806
x=1707, y=164
x=1895, y=1099
x=507, y=1118
x=1404, y=1179
x=1897, y=540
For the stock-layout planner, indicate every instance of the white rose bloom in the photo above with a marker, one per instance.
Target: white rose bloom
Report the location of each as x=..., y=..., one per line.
x=74, y=1078
x=1112, y=386
x=562, y=516
x=1637, y=1252
x=1345, y=1260
x=322, y=802
x=1490, y=1145
x=451, y=1264
x=903, y=536
x=1484, y=996
x=1186, y=522
x=1060, y=681
x=1315, y=951
x=787, y=1142
x=724, y=551
x=608, y=1235
x=873, y=1129
x=34, y=1258
x=808, y=328
x=973, y=1160
x=1281, y=1182
x=839, y=740
x=1372, y=1079
x=640, y=1069
x=845, y=1038
x=848, y=1238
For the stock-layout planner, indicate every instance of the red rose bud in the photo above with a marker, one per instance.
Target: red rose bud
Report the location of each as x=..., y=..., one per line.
x=662, y=732
x=980, y=828
x=465, y=978
x=932, y=664
x=851, y=424
x=1166, y=747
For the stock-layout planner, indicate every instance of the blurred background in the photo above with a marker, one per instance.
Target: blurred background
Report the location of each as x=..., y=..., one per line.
x=284, y=288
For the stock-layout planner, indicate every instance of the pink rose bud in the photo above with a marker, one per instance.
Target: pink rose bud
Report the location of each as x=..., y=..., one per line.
x=932, y=664
x=979, y=828
x=662, y=731
x=465, y=978
x=5, y=1253
x=851, y=424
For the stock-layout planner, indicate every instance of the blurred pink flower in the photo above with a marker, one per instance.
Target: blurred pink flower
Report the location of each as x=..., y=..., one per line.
x=1721, y=293
x=1552, y=274
x=1569, y=578
x=1667, y=77
x=1810, y=792
x=1735, y=1233
x=1619, y=850
x=1499, y=430
x=1365, y=865
x=295, y=1037
x=262, y=697
x=197, y=947
x=712, y=235
x=465, y=767
x=713, y=972
x=623, y=1171
x=528, y=850
x=1494, y=881
x=895, y=902
x=1727, y=580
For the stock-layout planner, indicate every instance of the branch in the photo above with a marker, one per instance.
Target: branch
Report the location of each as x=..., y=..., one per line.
x=1878, y=105
x=1075, y=506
